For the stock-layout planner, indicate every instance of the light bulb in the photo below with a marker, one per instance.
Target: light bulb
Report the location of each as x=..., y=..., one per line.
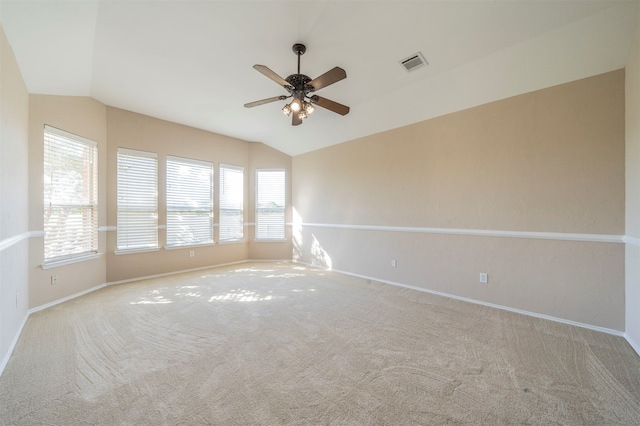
x=286, y=110
x=296, y=105
x=302, y=115
x=309, y=108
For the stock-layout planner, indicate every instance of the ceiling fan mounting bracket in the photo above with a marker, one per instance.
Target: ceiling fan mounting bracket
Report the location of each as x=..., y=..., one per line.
x=299, y=49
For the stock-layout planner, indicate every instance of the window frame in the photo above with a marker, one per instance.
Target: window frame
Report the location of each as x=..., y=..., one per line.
x=221, y=191
x=282, y=209
x=120, y=227
x=89, y=198
x=207, y=212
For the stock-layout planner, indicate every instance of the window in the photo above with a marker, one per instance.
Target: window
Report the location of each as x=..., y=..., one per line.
x=270, y=195
x=137, y=200
x=189, y=202
x=231, y=203
x=70, y=196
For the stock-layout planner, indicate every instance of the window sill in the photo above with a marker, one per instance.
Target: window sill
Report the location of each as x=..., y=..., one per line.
x=271, y=240
x=232, y=241
x=189, y=246
x=135, y=251
x=57, y=263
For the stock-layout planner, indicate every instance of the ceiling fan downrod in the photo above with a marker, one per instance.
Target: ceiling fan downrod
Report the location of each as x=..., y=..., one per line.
x=299, y=50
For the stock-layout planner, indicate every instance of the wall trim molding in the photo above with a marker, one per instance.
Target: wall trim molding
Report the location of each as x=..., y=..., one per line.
x=113, y=228
x=11, y=241
x=480, y=302
x=631, y=240
x=598, y=238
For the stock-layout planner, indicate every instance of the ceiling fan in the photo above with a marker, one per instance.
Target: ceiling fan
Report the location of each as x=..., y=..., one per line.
x=301, y=88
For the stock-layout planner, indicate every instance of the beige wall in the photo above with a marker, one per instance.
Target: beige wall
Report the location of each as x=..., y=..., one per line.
x=550, y=161
x=547, y=162
x=112, y=128
x=135, y=131
x=14, y=236
x=84, y=117
x=632, y=110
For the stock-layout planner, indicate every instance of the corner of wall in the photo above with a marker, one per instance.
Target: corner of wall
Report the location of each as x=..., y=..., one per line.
x=632, y=189
x=85, y=117
x=14, y=187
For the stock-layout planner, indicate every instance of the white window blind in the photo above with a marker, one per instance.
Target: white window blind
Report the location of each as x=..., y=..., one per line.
x=189, y=202
x=70, y=195
x=270, y=198
x=137, y=200
x=231, y=203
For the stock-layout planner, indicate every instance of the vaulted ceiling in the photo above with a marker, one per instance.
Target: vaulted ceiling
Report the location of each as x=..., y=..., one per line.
x=191, y=62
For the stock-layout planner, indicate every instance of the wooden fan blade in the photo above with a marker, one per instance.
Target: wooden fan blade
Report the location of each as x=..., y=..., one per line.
x=330, y=105
x=333, y=75
x=295, y=120
x=272, y=75
x=265, y=101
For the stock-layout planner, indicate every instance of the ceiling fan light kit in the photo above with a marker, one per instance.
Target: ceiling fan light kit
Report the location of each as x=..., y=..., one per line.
x=300, y=88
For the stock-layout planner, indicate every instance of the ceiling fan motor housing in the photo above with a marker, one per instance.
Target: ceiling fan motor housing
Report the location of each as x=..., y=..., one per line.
x=298, y=83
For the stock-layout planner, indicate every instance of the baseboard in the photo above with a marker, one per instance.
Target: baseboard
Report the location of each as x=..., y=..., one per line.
x=34, y=310
x=65, y=299
x=632, y=343
x=488, y=304
x=7, y=356
x=166, y=274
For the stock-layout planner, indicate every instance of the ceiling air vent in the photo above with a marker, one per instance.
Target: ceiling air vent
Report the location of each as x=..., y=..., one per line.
x=413, y=62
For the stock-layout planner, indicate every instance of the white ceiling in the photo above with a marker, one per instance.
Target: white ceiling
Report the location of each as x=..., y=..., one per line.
x=191, y=62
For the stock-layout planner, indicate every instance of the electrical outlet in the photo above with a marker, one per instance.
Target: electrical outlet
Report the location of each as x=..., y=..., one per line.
x=484, y=278
x=54, y=279
x=394, y=263
x=192, y=253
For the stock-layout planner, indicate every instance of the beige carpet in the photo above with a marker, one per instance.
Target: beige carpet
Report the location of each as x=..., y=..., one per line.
x=268, y=343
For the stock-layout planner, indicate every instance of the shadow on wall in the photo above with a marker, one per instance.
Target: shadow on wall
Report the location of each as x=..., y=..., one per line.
x=318, y=256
